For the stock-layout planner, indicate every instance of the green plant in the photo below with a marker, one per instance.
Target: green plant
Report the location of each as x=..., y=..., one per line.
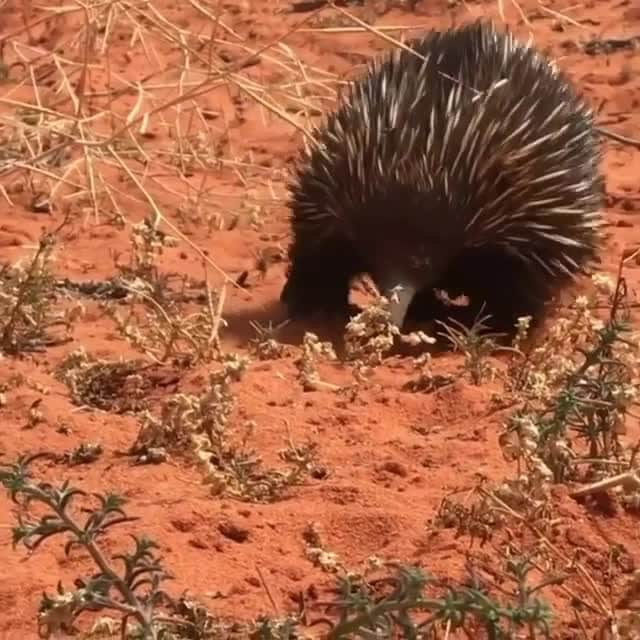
x=397, y=605
x=134, y=591
x=476, y=343
x=576, y=390
x=27, y=294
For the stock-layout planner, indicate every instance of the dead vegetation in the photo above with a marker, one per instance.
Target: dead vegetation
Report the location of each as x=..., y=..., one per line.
x=110, y=386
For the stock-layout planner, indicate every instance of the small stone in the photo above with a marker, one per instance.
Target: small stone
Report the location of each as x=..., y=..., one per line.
x=395, y=467
x=253, y=581
x=233, y=532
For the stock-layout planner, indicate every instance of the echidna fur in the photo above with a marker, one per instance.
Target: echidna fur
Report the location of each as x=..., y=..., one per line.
x=473, y=165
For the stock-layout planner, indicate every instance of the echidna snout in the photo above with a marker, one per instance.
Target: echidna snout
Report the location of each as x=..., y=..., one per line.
x=463, y=159
x=400, y=297
x=402, y=273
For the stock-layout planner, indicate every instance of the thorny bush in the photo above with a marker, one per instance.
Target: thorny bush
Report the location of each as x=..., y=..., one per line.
x=575, y=391
x=134, y=591
x=366, y=607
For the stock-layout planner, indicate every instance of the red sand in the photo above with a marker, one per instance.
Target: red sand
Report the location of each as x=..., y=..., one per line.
x=391, y=455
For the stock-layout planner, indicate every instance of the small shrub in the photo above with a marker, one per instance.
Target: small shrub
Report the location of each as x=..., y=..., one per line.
x=27, y=296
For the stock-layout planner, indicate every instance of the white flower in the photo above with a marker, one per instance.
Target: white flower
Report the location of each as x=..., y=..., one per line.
x=603, y=283
x=582, y=302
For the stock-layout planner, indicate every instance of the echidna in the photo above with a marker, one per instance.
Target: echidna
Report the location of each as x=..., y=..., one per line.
x=464, y=161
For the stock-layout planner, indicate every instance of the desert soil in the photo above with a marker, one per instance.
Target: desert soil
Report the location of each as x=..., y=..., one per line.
x=386, y=459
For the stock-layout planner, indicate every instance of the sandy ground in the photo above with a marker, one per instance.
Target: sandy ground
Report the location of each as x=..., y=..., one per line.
x=384, y=460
